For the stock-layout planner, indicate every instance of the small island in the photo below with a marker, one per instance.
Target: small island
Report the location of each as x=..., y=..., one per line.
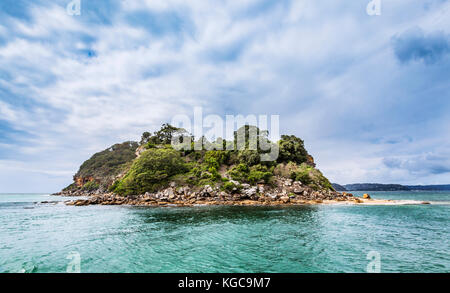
x=153, y=173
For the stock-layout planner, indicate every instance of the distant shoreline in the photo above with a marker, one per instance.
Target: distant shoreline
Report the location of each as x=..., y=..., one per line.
x=389, y=187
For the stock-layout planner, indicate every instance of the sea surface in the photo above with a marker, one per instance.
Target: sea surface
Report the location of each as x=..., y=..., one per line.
x=52, y=237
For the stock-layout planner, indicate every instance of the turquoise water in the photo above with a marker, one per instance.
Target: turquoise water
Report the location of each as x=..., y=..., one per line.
x=409, y=238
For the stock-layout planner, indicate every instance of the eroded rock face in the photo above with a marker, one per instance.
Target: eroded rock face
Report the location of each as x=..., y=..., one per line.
x=310, y=161
x=81, y=181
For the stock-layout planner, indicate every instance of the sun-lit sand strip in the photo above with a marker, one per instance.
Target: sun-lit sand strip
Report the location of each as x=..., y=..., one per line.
x=361, y=201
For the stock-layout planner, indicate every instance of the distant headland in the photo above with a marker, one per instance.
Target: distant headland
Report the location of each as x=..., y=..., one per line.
x=388, y=187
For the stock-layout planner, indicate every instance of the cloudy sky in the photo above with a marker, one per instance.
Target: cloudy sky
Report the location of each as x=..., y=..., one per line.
x=370, y=95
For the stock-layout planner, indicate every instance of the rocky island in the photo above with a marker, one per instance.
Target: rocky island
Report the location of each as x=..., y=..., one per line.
x=154, y=173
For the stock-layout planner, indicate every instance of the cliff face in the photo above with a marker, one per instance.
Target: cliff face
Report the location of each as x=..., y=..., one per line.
x=81, y=181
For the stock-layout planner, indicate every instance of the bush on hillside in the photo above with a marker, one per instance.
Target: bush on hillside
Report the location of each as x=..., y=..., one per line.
x=108, y=163
x=151, y=171
x=292, y=149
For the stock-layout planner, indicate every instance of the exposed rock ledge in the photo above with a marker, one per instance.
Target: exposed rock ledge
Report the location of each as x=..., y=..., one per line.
x=284, y=192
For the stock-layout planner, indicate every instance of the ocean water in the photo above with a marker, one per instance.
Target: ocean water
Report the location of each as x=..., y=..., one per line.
x=50, y=237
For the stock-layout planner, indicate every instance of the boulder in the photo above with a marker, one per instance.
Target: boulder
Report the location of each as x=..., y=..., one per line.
x=261, y=188
x=235, y=182
x=250, y=192
x=169, y=193
x=285, y=199
x=298, y=190
x=272, y=196
x=208, y=189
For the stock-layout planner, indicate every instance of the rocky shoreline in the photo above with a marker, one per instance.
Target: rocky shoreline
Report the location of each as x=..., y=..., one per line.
x=283, y=192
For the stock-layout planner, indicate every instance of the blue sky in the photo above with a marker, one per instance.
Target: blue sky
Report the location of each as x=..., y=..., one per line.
x=369, y=94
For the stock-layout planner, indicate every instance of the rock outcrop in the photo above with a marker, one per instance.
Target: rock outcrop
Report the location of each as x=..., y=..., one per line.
x=283, y=192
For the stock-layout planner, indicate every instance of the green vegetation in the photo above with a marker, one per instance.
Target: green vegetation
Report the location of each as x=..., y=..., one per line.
x=159, y=163
x=162, y=136
x=292, y=149
x=151, y=171
x=231, y=187
x=91, y=186
x=304, y=173
x=105, y=165
x=217, y=158
x=255, y=174
x=259, y=174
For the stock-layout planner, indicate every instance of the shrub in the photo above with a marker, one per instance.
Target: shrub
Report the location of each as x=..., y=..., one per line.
x=251, y=175
x=303, y=177
x=259, y=173
x=311, y=176
x=217, y=158
x=113, y=186
x=214, y=174
x=256, y=176
x=239, y=172
x=229, y=186
x=292, y=149
x=212, y=162
x=151, y=171
x=249, y=157
x=91, y=186
x=196, y=172
x=242, y=167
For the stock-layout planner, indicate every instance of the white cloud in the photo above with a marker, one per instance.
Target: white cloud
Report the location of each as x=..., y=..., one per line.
x=7, y=113
x=312, y=63
x=48, y=20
